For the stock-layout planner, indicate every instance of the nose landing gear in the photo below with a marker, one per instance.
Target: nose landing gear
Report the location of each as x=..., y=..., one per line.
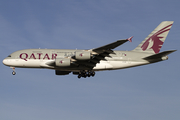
x=13, y=68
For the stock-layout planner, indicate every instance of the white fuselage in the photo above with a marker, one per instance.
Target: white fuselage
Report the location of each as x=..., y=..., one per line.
x=39, y=58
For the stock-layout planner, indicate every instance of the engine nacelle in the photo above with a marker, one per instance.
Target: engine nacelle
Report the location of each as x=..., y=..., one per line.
x=83, y=55
x=58, y=72
x=63, y=62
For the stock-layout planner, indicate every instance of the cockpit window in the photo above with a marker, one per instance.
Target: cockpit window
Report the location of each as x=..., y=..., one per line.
x=9, y=55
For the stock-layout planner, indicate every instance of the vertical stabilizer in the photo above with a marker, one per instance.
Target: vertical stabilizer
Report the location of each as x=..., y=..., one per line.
x=154, y=41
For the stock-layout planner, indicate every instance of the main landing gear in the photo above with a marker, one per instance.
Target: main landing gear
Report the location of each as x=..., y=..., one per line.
x=86, y=74
x=13, y=68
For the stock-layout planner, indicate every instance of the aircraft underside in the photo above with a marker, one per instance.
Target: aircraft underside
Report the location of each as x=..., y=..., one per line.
x=81, y=70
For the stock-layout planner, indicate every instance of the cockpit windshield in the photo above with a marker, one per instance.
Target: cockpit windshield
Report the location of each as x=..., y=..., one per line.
x=9, y=55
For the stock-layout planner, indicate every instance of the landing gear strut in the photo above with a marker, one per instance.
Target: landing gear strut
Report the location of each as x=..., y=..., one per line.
x=86, y=74
x=13, y=70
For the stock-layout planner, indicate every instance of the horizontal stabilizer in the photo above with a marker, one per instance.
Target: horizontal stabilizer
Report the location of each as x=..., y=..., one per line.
x=159, y=55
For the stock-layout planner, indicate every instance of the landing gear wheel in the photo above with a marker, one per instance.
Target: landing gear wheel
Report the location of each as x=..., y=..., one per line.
x=13, y=68
x=93, y=74
x=85, y=74
x=79, y=76
x=13, y=72
x=89, y=74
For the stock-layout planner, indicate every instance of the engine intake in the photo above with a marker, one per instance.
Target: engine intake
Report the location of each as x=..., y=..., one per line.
x=83, y=55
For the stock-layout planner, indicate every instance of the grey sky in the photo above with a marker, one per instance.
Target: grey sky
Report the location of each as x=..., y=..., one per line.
x=148, y=92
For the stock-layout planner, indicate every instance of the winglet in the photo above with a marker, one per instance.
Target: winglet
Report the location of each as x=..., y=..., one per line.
x=130, y=39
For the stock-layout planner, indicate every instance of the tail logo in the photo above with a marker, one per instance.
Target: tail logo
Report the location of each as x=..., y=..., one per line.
x=154, y=41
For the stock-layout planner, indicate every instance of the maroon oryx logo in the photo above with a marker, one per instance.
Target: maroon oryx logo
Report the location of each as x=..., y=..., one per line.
x=61, y=61
x=81, y=54
x=154, y=41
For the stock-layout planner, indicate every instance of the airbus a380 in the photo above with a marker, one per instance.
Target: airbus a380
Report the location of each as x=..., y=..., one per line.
x=84, y=63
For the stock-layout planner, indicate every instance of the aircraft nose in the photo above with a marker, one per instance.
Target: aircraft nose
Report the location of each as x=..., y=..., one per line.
x=5, y=62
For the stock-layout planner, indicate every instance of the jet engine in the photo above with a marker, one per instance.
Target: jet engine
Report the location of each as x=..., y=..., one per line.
x=63, y=62
x=58, y=72
x=83, y=55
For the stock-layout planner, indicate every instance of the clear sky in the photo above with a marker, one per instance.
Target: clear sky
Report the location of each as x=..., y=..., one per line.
x=148, y=92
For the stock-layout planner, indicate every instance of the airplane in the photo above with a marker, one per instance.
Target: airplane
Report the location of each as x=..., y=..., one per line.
x=84, y=63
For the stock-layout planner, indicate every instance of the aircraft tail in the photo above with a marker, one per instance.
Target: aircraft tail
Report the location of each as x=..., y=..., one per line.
x=154, y=41
x=161, y=55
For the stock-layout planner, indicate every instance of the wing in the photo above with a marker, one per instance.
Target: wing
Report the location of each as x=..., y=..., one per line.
x=100, y=53
x=96, y=55
x=112, y=45
x=109, y=46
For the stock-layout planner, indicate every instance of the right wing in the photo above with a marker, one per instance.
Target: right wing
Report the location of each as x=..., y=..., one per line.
x=100, y=53
x=97, y=55
x=111, y=45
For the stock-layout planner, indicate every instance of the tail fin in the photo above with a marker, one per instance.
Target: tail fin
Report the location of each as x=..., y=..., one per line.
x=154, y=41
